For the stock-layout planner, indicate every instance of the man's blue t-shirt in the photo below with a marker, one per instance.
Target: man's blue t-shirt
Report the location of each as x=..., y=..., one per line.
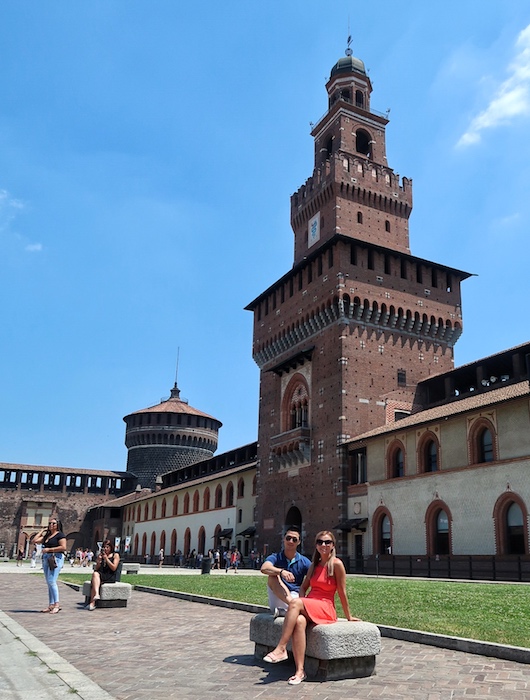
x=298, y=566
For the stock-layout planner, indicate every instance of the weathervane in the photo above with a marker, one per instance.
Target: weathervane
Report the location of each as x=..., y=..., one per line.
x=348, y=51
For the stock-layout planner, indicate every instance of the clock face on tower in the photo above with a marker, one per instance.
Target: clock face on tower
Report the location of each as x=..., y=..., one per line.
x=313, y=230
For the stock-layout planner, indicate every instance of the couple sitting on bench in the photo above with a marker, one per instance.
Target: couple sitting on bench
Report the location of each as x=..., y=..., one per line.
x=291, y=575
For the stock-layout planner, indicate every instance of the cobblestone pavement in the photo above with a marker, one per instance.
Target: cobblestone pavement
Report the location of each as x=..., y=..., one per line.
x=162, y=647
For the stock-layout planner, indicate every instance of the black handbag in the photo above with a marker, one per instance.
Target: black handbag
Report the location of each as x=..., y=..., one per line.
x=52, y=562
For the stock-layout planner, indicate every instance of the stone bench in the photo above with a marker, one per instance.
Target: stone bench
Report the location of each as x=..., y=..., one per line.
x=130, y=568
x=340, y=650
x=113, y=595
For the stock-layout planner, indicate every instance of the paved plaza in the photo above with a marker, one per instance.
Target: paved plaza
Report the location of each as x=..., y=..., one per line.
x=161, y=647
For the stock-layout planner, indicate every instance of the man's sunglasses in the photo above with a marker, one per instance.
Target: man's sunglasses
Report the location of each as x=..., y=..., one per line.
x=290, y=538
x=326, y=543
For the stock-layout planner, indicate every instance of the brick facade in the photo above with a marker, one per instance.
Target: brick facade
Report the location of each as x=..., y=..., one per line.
x=355, y=324
x=166, y=437
x=30, y=494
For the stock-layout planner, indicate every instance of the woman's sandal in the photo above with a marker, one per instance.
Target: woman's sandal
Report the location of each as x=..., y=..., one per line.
x=48, y=609
x=271, y=660
x=54, y=610
x=296, y=680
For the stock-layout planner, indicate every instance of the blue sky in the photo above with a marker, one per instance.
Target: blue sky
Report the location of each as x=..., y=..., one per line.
x=148, y=150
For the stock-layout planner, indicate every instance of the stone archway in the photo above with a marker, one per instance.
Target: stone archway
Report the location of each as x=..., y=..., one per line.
x=293, y=519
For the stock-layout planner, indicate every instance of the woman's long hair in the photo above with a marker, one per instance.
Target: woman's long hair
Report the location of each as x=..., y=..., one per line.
x=59, y=527
x=330, y=566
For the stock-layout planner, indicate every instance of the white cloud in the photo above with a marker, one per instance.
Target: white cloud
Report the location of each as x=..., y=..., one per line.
x=512, y=98
x=9, y=207
x=33, y=247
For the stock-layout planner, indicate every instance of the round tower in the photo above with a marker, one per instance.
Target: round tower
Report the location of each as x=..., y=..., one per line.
x=166, y=437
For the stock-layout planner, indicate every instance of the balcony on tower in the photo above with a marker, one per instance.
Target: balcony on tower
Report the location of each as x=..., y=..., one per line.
x=291, y=448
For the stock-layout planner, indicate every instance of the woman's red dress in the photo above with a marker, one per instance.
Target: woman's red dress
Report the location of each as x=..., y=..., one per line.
x=320, y=601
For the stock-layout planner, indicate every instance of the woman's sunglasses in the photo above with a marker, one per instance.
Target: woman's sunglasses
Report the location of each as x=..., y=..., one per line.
x=326, y=543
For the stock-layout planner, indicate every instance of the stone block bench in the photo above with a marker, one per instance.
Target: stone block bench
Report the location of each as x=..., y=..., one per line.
x=113, y=595
x=340, y=650
x=130, y=568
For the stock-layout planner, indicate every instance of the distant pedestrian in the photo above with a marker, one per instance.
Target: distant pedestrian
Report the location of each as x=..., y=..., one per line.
x=20, y=557
x=34, y=558
x=235, y=560
x=160, y=558
x=216, y=559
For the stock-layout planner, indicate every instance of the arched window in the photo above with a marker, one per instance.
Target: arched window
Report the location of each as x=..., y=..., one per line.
x=428, y=453
x=398, y=463
x=201, y=541
x=438, y=526
x=515, y=530
x=396, y=460
x=386, y=535
x=153, y=544
x=175, y=505
x=359, y=99
x=163, y=510
x=510, y=516
x=139, y=514
x=187, y=542
x=485, y=446
x=230, y=494
x=482, y=441
x=153, y=511
x=442, y=533
x=241, y=488
x=295, y=404
x=431, y=456
x=359, y=217
x=163, y=540
x=206, y=499
x=173, y=542
x=387, y=226
x=135, y=550
x=144, y=544
x=195, y=501
x=146, y=512
x=218, y=496
x=187, y=503
x=363, y=142
x=382, y=531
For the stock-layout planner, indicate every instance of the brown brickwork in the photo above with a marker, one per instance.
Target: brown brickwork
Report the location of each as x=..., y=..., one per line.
x=358, y=318
x=30, y=494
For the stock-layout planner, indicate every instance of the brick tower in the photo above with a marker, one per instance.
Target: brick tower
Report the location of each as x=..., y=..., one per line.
x=166, y=437
x=342, y=339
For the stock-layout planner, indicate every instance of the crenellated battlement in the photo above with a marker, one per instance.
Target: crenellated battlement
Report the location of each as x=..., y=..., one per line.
x=358, y=173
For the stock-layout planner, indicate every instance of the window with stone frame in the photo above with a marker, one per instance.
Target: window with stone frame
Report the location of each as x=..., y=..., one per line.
x=295, y=413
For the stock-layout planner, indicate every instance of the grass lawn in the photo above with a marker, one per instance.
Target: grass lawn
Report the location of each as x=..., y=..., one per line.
x=489, y=612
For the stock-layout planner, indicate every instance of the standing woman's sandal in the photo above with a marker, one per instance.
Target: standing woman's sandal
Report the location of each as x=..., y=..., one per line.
x=48, y=609
x=55, y=609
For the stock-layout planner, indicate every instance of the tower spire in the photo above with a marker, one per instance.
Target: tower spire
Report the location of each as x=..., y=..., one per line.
x=175, y=392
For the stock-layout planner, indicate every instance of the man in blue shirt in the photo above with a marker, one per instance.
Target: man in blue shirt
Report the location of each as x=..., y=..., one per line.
x=286, y=571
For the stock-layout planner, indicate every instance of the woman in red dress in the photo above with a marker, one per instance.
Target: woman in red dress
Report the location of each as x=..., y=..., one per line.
x=326, y=576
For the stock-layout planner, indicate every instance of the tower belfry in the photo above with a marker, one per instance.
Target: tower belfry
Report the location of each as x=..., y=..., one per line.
x=352, y=191
x=343, y=338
